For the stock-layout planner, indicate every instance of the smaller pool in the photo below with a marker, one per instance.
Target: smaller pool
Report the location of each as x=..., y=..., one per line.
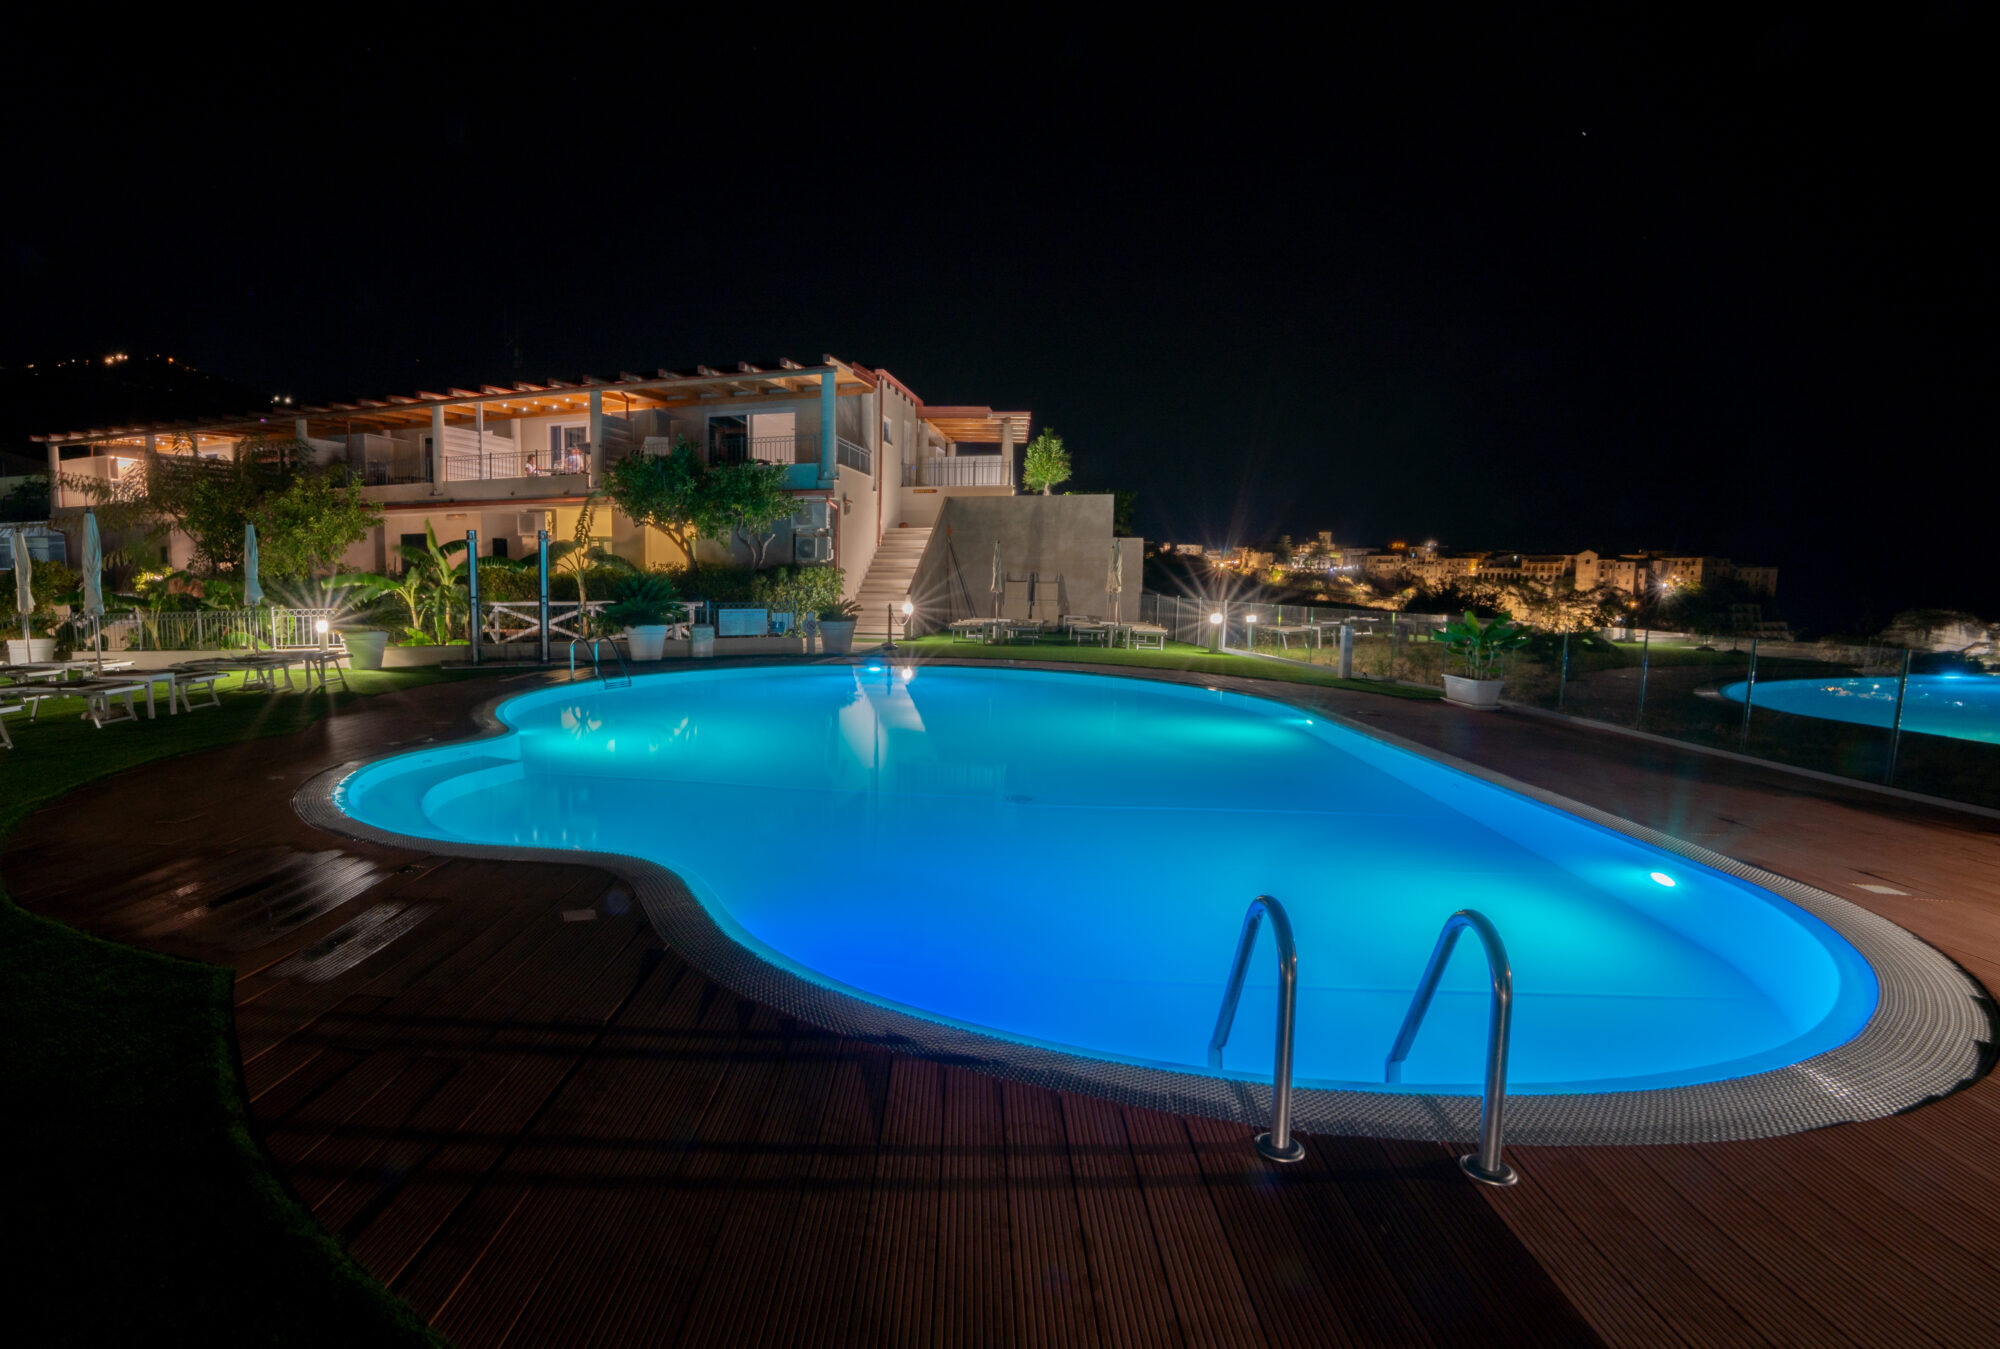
x=1963, y=706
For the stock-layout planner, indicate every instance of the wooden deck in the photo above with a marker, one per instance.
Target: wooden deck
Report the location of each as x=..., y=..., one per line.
x=540, y=1127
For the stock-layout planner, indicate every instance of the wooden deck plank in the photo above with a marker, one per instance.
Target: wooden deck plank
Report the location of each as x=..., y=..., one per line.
x=1213, y=1306
x=1775, y=1313
x=900, y=1272
x=733, y=1300
x=812, y=1302
x=1051, y=1273
x=1128, y=1276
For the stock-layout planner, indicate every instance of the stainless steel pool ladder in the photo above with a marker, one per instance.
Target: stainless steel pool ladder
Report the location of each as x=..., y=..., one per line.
x=624, y=674
x=1485, y=1166
x=1278, y=1145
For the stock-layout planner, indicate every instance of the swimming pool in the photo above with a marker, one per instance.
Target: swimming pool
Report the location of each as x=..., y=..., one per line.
x=1963, y=706
x=1062, y=861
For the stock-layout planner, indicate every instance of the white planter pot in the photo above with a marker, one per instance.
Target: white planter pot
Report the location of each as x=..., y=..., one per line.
x=648, y=642
x=365, y=647
x=1480, y=693
x=836, y=638
x=20, y=652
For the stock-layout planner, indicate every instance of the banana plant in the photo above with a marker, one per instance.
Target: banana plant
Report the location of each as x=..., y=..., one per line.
x=1479, y=646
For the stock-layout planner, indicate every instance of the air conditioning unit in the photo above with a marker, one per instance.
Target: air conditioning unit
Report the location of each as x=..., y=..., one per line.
x=531, y=522
x=812, y=548
x=812, y=515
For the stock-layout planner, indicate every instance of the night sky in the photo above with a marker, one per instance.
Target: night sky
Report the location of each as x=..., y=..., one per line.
x=1631, y=278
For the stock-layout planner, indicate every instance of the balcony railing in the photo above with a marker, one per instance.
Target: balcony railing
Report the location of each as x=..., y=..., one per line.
x=800, y=448
x=972, y=470
x=515, y=464
x=854, y=456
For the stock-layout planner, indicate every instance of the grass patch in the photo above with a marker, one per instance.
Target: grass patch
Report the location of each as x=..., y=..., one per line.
x=141, y=1205
x=1177, y=656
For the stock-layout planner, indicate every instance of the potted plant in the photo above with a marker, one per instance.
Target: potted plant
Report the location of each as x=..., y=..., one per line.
x=646, y=612
x=1478, y=648
x=836, y=627
x=365, y=646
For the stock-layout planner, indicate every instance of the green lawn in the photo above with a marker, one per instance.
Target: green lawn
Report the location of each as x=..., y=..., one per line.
x=1177, y=656
x=140, y=1207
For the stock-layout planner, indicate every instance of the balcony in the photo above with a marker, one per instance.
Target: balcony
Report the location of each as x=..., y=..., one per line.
x=503, y=464
x=800, y=448
x=968, y=470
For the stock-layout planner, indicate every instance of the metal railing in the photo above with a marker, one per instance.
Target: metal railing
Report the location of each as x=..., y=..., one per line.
x=596, y=666
x=504, y=464
x=856, y=457
x=219, y=629
x=801, y=447
x=969, y=470
x=1485, y=1166
x=1278, y=1144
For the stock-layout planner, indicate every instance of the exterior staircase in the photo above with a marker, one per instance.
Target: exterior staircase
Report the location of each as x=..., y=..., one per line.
x=887, y=583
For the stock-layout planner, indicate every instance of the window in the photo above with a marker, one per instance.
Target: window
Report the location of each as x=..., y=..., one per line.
x=566, y=448
x=499, y=545
x=410, y=541
x=887, y=438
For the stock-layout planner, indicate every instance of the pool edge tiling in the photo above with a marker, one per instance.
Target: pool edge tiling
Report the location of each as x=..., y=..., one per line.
x=1924, y=1039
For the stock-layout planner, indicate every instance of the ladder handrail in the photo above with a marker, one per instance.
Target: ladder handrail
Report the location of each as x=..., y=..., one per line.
x=596, y=667
x=1487, y=1165
x=1278, y=1144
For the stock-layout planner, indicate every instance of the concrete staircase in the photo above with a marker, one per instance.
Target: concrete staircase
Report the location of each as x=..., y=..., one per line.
x=887, y=583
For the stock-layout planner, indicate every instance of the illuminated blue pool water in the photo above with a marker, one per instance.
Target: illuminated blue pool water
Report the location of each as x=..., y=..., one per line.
x=1964, y=706
x=1065, y=860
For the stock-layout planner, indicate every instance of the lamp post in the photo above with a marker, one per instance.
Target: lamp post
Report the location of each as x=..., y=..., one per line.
x=1250, y=631
x=890, y=610
x=320, y=628
x=1215, y=631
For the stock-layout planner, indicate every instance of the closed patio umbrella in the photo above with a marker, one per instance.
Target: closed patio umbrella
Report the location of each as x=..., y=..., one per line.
x=998, y=584
x=253, y=589
x=93, y=584
x=24, y=594
x=1115, y=581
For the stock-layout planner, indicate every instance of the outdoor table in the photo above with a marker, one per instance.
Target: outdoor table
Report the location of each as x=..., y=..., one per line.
x=1150, y=635
x=975, y=629
x=1093, y=632
x=1284, y=632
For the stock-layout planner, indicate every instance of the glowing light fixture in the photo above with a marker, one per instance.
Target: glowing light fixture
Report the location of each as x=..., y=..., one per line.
x=1662, y=878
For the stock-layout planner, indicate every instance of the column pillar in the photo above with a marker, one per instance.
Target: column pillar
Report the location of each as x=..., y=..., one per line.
x=1007, y=447
x=299, y=428
x=597, y=435
x=437, y=449
x=55, y=476
x=829, y=424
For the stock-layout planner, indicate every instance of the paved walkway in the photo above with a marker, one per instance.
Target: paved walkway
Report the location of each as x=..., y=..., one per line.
x=541, y=1127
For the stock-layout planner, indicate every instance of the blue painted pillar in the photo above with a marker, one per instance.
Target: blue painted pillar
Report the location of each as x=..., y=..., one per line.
x=829, y=423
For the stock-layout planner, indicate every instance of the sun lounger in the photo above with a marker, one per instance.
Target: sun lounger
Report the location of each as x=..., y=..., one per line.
x=1150, y=636
x=99, y=695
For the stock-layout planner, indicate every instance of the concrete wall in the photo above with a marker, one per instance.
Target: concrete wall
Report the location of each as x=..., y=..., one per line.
x=855, y=536
x=1068, y=537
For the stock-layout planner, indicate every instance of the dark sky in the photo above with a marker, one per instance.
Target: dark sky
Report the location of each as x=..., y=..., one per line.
x=1630, y=277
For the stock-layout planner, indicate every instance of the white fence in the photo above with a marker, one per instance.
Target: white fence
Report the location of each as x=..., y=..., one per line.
x=217, y=629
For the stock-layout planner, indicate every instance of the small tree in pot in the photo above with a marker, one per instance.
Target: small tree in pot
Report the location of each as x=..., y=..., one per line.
x=836, y=627
x=1478, y=647
x=646, y=610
